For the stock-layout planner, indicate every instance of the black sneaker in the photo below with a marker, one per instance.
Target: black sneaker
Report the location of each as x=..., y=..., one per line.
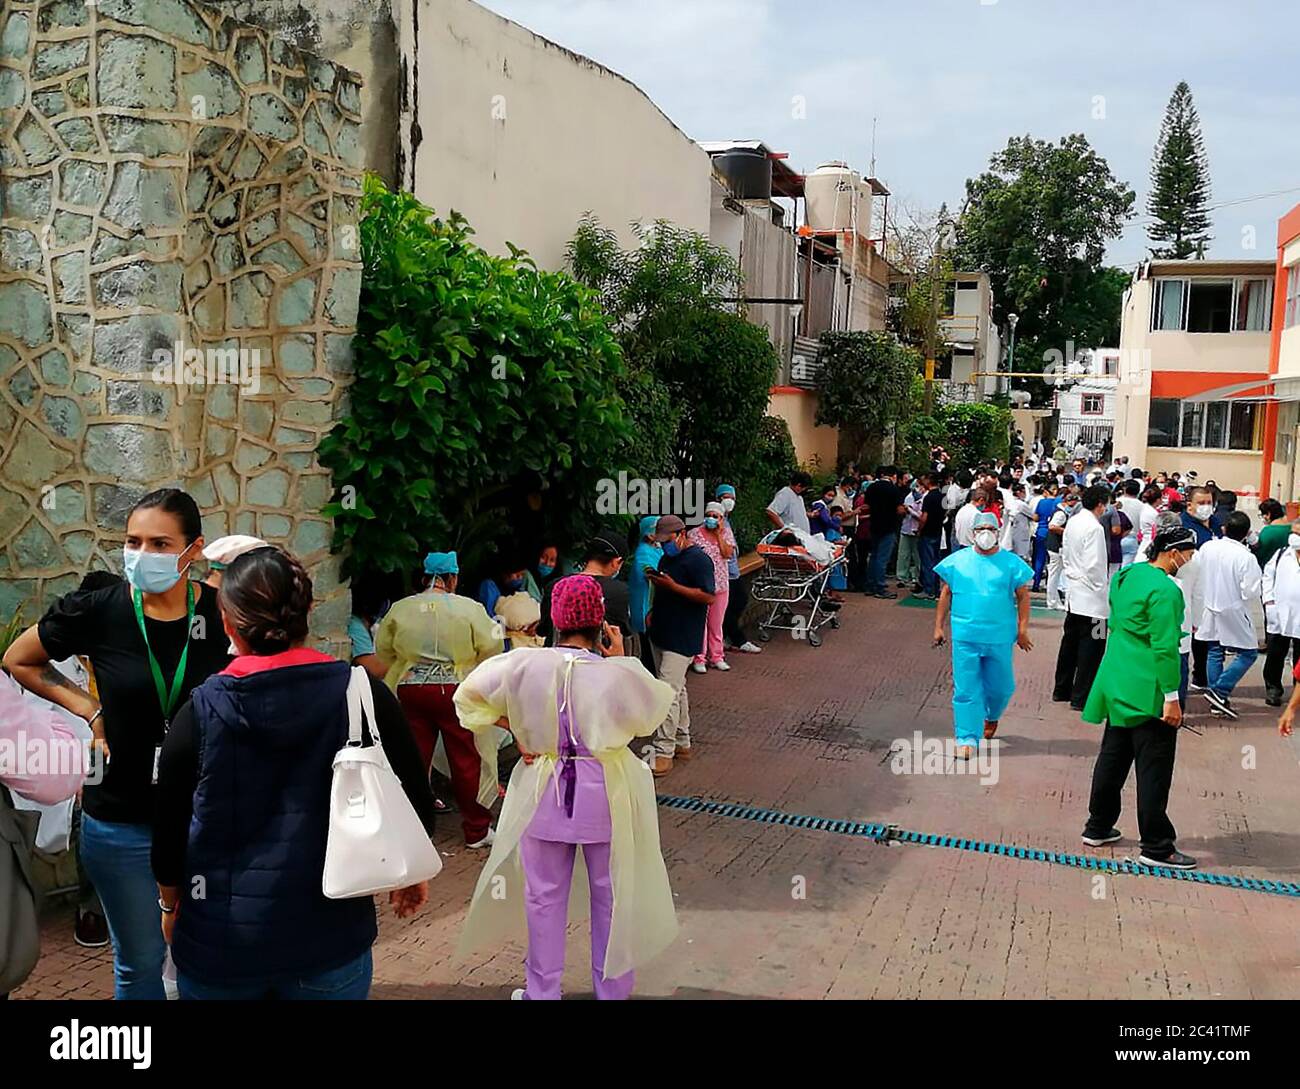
x=91, y=930
x=1176, y=861
x=1113, y=836
x=887, y=595
x=1220, y=703
x=1273, y=699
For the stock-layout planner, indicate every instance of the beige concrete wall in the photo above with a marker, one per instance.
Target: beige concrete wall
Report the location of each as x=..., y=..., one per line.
x=522, y=136
x=811, y=443
x=1236, y=470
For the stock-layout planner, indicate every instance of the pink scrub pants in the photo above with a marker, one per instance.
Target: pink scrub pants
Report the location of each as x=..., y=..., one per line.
x=548, y=876
x=713, y=651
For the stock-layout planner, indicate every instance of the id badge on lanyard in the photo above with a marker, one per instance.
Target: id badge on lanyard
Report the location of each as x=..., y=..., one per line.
x=167, y=699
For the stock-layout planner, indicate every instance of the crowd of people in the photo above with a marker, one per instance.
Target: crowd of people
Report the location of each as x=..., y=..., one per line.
x=216, y=726
x=1161, y=579
x=215, y=729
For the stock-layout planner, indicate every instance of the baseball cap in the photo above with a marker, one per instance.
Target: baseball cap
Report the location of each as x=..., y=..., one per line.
x=605, y=544
x=669, y=525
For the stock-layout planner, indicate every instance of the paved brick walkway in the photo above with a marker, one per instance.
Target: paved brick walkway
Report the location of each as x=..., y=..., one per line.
x=808, y=730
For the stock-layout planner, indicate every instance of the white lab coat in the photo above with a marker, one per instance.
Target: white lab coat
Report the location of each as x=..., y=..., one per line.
x=1085, y=562
x=1281, y=582
x=1230, y=579
x=964, y=524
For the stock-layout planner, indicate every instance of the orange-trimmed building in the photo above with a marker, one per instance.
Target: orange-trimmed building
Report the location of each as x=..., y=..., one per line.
x=1193, y=382
x=1281, y=477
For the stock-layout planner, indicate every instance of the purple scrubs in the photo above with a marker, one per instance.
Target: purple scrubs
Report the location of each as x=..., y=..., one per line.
x=573, y=809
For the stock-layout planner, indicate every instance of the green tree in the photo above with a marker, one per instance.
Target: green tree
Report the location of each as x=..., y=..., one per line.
x=865, y=388
x=1180, y=183
x=1038, y=222
x=698, y=373
x=472, y=373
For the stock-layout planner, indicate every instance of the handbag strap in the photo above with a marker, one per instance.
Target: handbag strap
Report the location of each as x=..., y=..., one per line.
x=361, y=705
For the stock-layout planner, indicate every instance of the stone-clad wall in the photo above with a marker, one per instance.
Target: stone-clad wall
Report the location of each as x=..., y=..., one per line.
x=168, y=175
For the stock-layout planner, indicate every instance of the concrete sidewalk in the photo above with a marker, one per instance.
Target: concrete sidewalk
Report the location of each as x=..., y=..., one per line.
x=768, y=911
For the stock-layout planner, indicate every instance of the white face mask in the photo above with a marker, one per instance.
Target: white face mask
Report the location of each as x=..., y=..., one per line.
x=1203, y=511
x=728, y=504
x=1294, y=540
x=986, y=539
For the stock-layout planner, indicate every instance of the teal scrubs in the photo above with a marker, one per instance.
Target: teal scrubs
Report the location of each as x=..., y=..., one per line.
x=984, y=626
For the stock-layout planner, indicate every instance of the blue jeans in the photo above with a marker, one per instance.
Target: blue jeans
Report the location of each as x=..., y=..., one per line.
x=882, y=551
x=1224, y=680
x=116, y=859
x=351, y=982
x=927, y=549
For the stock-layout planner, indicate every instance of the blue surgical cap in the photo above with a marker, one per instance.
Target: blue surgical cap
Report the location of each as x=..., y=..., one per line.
x=648, y=525
x=441, y=563
x=724, y=489
x=986, y=520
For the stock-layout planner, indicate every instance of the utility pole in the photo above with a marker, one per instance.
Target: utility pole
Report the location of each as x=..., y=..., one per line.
x=932, y=326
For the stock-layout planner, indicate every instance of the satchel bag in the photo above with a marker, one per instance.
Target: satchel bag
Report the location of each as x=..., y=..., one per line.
x=20, y=935
x=376, y=842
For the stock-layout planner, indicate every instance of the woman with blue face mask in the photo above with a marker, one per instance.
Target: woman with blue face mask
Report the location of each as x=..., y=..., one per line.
x=150, y=639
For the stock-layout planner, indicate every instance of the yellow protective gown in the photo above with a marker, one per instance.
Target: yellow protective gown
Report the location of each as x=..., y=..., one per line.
x=613, y=700
x=432, y=626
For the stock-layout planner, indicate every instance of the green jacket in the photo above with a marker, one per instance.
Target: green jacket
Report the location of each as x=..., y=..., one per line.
x=1142, y=663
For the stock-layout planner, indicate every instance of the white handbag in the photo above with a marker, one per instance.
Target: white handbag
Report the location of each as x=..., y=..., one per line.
x=376, y=841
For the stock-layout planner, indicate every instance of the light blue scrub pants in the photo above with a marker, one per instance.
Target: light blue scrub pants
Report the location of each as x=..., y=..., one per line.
x=983, y=682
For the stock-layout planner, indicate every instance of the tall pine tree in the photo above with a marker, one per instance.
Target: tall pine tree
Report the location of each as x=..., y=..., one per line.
x=1180, y=183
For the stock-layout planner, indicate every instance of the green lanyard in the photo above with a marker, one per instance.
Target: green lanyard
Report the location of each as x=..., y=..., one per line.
x=166, y=700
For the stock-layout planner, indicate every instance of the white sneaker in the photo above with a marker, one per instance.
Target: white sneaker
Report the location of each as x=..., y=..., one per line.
x=517, y=995
x=486, y=841
x=722, y=666
x=699, y=667
x=750, y=648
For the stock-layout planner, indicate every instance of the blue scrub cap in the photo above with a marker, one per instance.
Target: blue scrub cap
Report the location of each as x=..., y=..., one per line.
x=724, y=489
x=441, y=563
x=648, y=525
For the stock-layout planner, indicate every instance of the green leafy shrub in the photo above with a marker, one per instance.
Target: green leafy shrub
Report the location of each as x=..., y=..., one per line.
x=864, y=388
x=699, y=374
x=772, y=462
x=478, y=378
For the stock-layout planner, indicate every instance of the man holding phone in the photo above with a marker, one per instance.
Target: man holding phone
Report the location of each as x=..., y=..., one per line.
x=684, y=590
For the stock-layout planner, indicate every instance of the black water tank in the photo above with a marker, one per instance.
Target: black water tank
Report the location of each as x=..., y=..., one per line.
x=748, y=173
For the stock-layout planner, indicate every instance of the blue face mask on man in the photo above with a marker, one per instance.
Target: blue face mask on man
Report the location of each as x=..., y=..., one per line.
x=670, y=548
x=514, y=584
x=152, y=572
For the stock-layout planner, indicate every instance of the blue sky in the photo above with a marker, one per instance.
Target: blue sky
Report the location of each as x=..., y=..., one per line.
x=950, y=80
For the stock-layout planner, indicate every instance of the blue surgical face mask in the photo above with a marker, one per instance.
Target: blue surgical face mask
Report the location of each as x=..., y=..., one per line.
x=152, y=572
x=545, y=569
x=710, y=523
x=514, y=584
x=670, y=548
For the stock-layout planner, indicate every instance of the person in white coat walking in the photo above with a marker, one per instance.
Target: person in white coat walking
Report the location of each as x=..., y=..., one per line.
x=1231, y=580
x=1085, y=563
x=1281, y=581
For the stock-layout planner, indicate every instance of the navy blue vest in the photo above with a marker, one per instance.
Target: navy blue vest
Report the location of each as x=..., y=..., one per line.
x=266, y=744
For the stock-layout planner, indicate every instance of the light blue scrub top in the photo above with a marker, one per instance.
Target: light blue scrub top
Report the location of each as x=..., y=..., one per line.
x=984, y=594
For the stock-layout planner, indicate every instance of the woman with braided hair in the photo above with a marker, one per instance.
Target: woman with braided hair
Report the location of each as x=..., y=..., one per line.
x=243, y=803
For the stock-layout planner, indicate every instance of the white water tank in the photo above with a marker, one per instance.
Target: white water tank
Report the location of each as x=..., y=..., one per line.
x=834, y=195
